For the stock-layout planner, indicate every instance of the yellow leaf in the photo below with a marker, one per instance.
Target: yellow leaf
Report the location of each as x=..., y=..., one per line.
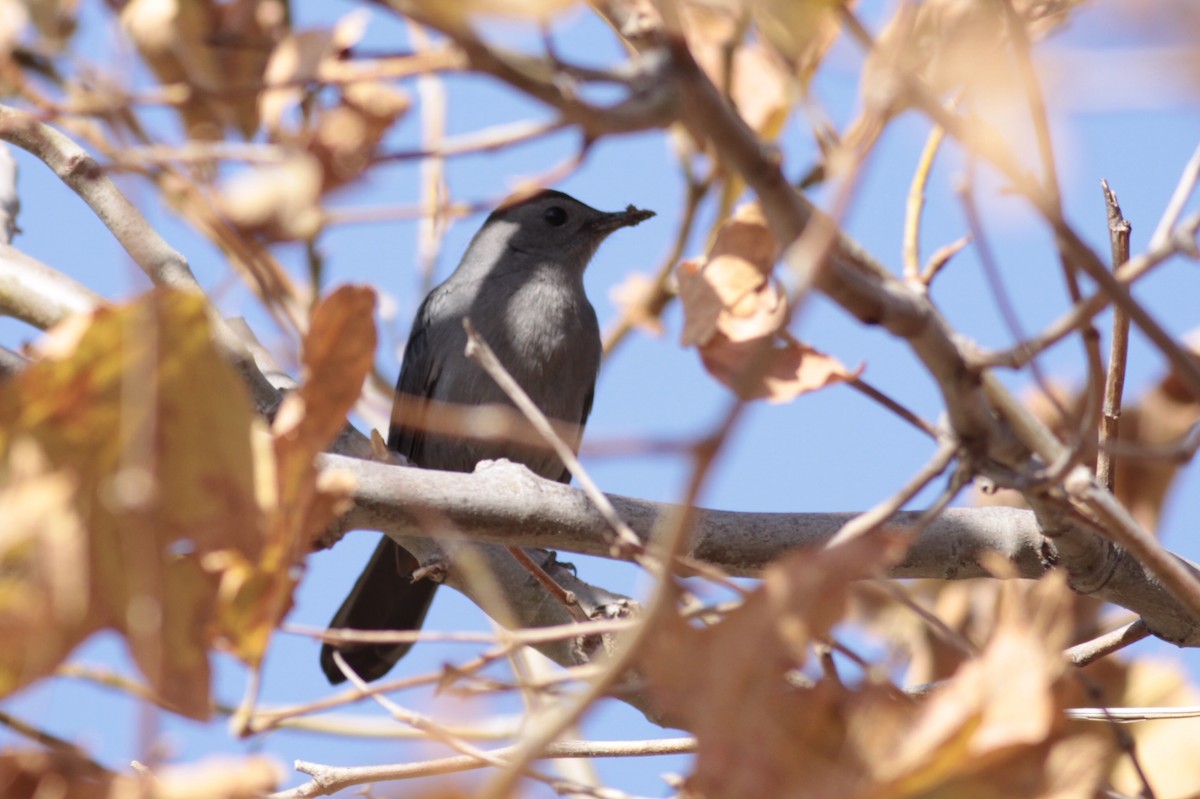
x=153, y=429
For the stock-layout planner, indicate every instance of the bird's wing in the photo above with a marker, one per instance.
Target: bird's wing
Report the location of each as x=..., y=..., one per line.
x=418, y=379
x=565, y=477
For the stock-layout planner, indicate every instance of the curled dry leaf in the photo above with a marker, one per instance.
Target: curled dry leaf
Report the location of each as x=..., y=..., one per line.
x=735, y=312
x=996, y=727
x=208, y=48
x=1165, y=747
x=153, y=429
x=44, y=574
x=776, y=372
x=37, y=774
x=55, y=20
x=14, y=18
x=956, y=45
x=327, y=146
x=801, y=32
x=461, y=13
x=731, y=286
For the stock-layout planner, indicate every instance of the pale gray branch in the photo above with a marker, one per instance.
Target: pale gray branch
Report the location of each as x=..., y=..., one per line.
x=328, y=780
x=504, y=503
x=40, y=295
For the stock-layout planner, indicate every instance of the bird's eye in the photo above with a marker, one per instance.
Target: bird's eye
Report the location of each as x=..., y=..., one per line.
x=555, y=216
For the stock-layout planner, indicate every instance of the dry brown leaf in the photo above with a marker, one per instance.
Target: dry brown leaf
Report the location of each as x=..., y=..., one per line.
x=174, y=38
x=210, y=48
x=1166, y=748
x=346, y=136
x=996, y=728
x=639, y=300
x=297, y=61
x=758, y=733
x=55, y=20
x=14, y=19
x=36, y=774
x=44, y=574
x=761, y=369
x=994, y=731
x=248, y=31
x=956, y=45
x=214, y=778
x=154, y=429
x=761, y=84
x=462, y=13
x=801, y=32
x=281, y=201
x=291, y=66
x=732, y=283
x=338, y=354
x=735, y=312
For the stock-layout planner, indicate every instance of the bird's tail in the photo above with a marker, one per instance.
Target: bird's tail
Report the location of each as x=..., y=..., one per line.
x=384, y=598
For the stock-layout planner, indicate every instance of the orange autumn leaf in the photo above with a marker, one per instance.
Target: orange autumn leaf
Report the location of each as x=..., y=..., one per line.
x=338, y=354
x=735, y=313
x=776, y=372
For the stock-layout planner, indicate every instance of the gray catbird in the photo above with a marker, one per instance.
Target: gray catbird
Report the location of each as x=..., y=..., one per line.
x=521, y=284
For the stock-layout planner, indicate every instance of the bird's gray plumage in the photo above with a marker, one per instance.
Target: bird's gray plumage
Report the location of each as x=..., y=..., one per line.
x=521, y=284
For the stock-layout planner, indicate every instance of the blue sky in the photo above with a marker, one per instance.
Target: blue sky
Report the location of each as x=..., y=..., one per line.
x=829, y=451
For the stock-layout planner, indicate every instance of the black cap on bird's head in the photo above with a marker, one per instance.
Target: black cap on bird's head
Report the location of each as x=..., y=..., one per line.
x=550, y=221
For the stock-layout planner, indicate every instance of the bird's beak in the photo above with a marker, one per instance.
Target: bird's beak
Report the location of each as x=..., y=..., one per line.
x=615, y=221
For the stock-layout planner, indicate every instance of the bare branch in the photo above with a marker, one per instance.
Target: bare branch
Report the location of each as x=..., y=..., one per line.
x=38, y=294
x=1114, y=384
x=328, y=780
x=1104, y=645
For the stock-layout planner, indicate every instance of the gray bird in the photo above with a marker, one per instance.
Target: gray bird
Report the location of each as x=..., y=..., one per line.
x=521, y=284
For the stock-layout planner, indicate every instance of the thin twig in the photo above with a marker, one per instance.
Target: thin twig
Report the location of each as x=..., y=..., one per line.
x=1129, y=714
x=563, y=596
x=1114, y=384
x=51, y=741
x=1182, y=241
x=331, y=779
x=661, y=295
x=872, y=519
x=868, y=390
x=896, y=591
x=941, y=256
x=916, y=203
x=1103, y=645
x=625, y=541
x=1179, y=198
x=668, y=544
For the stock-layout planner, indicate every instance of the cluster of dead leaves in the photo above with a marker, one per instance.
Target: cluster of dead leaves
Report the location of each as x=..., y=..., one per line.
x=766, y=726
x=238, y=66
x=142, y=493
x=736, y=313
x=36, y=774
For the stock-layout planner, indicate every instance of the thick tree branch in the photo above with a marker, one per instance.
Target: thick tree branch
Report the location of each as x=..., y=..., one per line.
x=503, y=503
